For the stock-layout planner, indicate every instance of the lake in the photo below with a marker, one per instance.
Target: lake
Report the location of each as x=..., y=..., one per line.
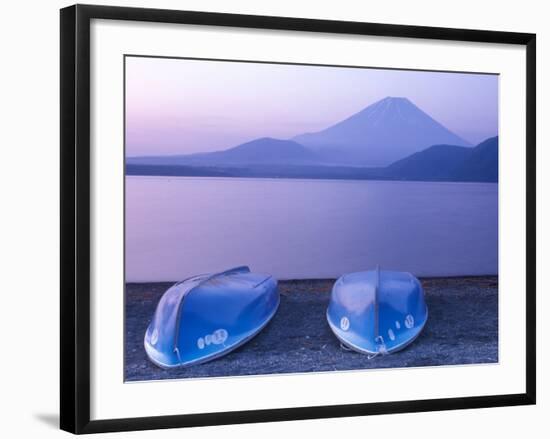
x=307, y=229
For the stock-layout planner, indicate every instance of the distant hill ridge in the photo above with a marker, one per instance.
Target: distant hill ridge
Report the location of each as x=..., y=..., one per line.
x=265, y=150
x=435, y=163
x=450, y=163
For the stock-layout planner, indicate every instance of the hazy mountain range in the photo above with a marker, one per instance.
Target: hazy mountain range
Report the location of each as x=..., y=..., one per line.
x=390, y=139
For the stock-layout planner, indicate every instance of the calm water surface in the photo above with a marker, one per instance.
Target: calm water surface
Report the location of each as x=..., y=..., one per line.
x=296, y=229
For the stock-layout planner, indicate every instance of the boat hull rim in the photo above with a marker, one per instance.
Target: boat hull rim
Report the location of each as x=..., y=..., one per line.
x=219, y=354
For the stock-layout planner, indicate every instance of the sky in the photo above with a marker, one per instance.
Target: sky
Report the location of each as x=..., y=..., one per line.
x=180, y=106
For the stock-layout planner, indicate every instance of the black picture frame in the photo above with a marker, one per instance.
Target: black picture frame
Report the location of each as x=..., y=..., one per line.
x=75, y=217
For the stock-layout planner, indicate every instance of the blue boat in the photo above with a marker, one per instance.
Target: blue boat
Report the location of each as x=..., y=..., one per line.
x=377, y=312
x=207, y=316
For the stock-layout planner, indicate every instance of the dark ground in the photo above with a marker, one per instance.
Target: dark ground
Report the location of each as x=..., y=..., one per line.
x=462, y=328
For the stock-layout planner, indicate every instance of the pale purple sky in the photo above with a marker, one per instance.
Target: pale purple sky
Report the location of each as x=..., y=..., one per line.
x=177, y=106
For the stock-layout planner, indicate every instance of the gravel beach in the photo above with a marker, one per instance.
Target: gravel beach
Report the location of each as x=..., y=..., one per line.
x=462, y=328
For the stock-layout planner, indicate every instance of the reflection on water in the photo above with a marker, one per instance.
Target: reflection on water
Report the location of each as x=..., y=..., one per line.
x=295, y=229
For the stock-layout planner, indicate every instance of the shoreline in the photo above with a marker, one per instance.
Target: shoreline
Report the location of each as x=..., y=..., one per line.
x=462, y=329
x=321, y=279
x=328, y=179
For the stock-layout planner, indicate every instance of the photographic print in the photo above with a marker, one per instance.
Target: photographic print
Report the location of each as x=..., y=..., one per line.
x=293, y=218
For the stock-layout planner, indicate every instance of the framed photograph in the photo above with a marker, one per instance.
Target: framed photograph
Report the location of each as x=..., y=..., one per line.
x=274, y=218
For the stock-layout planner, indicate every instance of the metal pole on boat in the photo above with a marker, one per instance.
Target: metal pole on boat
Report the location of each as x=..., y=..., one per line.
x=376, y=305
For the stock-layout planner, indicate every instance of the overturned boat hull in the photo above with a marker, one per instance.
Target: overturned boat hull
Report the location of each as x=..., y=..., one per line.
x=377, y=312
x=208, y=316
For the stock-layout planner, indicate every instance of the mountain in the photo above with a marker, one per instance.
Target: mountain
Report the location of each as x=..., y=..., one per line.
x=434, y=163
x=482, y=164
x=380, y=134
x=449, y=163
x=265, y=150
x=391, y=139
